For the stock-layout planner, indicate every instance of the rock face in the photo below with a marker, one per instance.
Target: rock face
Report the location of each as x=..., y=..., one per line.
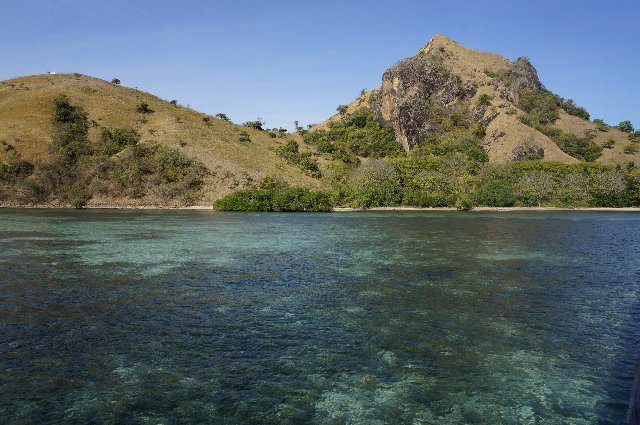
x=446, y=89
x=420, y=95
x=522, y=76
x=412, y=91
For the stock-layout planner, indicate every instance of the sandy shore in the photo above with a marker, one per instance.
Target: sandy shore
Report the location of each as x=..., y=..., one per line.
x=337, y=209
x=480, y=209
x=110, y=207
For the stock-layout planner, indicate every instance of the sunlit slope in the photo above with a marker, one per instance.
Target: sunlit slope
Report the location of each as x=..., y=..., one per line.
x=25, y=123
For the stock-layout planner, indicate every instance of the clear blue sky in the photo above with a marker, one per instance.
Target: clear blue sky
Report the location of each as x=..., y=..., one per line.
x=292, y=60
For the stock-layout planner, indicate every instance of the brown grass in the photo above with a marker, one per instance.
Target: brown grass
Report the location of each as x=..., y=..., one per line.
x=25, y=123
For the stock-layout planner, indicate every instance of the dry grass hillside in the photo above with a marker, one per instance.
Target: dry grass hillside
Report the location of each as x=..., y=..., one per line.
x=483, y=75
x=25, y=123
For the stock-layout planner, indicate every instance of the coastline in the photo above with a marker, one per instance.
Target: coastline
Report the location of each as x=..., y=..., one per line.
x=485, y=209
x=336, y=209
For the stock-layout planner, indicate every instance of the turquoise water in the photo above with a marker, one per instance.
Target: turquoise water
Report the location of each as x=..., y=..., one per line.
x=345, y=318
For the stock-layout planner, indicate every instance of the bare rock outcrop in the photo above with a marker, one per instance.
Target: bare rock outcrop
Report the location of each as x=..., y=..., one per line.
x=522, y=76
x=412, y=91
x=419, y=94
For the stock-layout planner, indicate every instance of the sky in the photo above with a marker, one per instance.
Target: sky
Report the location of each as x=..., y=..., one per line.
x=286, y=61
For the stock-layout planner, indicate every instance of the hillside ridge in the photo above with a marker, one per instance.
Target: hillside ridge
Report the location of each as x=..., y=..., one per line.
x=26, y=127
x=448, y=79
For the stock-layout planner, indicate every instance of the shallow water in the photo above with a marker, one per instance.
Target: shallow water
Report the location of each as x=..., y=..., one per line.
x=373, y=318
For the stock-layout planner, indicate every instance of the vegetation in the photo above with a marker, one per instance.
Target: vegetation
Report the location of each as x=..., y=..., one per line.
x=357, y=135
x=484, y=100
x=115, y=81
x=462, y=142
x=79, y=170
x=583, y=148
x=70, y=128
x=542, y=108
x=601, y=125
x=116, y=139
x=256, y=125
x=143, y=108
x=625, y=126
x=275, y=196
x=290, y=152
x=222, y=117
x=572, y=109
x=495, y=193
x=360, y=163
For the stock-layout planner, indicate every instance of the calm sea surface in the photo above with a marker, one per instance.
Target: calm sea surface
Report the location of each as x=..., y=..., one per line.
x=374, y=318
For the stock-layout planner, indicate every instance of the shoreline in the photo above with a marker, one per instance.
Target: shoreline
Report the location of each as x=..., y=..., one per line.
x=337, y=209
x=487, y=209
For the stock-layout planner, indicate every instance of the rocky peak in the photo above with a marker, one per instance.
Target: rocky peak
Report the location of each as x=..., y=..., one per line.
x=522, y=76
x=421, y=94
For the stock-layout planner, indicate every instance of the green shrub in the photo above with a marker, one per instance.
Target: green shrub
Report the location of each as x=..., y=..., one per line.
x=572, y=109
x=143, y=108
x=256, y=125
x=625, y=126
x=541, y=105
x=461, y=90
x=15, y=169
x=496, y=193
x=357, y=134
x=609, y=144
x=463, y=142
x=464, y=203
x=630, y=149
x=30, y=191
x=79, y=203
x=115, y=81
x=290, y=152
x=373, y=184
x=115, y=139
x=70, y=129
x=601, y=125
x=222, y=117
x=581, y=148
x=421, y=198
x=244, y=137
x=490, y=74
x=275, y=197
x=484, y=100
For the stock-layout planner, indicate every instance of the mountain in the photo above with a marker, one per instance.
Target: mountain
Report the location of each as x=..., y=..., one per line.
x=420, y=97
x=449, y=126
x=26, y=106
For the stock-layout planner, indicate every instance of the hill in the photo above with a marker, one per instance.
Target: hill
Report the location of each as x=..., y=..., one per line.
x=449, y=126
x=446, y=87
x=230, y=161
